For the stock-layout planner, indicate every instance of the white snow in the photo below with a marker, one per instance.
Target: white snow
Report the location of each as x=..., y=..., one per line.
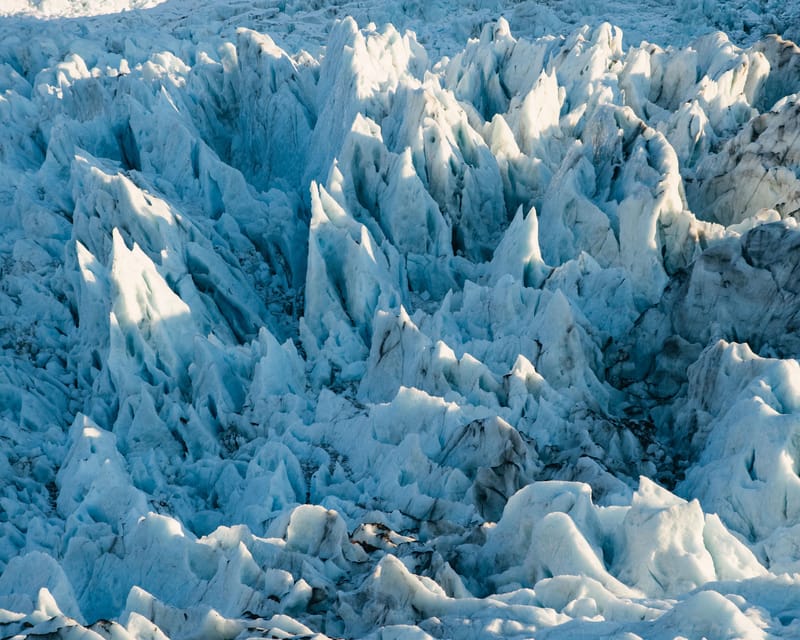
x=399, y=320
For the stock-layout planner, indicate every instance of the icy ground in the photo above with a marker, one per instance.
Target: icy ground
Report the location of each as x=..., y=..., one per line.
x=486, y=333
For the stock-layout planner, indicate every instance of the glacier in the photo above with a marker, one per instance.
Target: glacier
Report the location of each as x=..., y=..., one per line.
x=455, y=327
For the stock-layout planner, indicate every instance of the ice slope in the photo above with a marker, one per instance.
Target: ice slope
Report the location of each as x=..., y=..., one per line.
x=370, y=342
x=442, y=26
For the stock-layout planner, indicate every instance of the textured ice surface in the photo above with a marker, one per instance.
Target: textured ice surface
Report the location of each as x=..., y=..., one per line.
x=375, y=342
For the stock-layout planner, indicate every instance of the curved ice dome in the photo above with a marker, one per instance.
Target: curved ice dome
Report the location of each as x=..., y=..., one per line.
x=375, y=342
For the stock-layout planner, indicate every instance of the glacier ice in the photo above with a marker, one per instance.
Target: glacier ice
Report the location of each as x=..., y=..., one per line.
x=371, y=341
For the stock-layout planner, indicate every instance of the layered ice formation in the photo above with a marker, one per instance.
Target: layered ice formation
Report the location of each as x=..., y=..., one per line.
x=371, y=342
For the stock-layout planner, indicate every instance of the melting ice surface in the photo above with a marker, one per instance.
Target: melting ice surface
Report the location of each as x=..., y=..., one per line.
x=372, y=342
